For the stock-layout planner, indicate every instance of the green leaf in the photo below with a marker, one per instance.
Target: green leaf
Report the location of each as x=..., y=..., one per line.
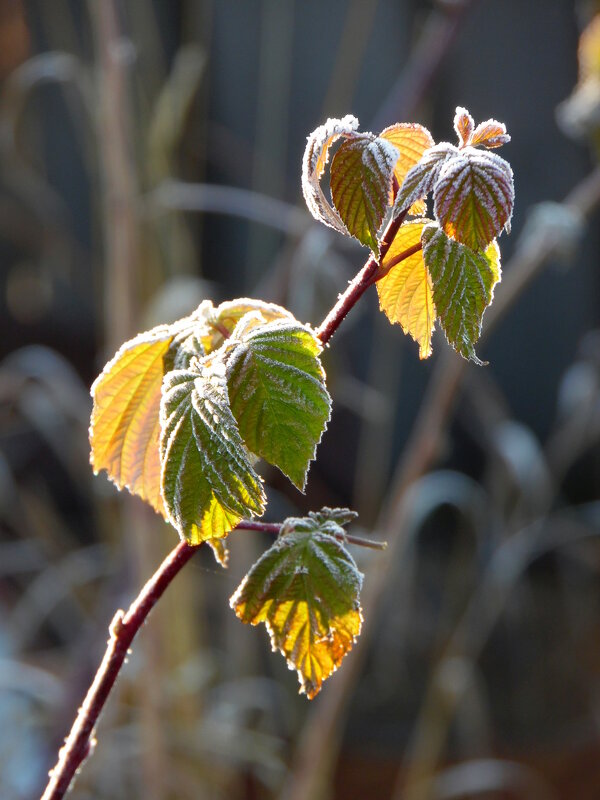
x=306, y=589
x=208, y=484
x=463, y=286
x=361, y=178
x=474, y=197
x=277, y=393
x=316, y=156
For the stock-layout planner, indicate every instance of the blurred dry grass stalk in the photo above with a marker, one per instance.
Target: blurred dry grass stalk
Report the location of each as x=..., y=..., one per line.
x=189, y=717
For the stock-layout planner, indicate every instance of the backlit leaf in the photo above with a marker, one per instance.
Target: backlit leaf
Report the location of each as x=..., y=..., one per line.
x=589, y=51
x=361, y=180
x=124, y=427
x=305, y=589
x=474, y=197
x=405, y=291
x=420, y=179
x=220, y=551
x=277, y=393
x=463, y=286
x=464, y=126
x=315, y=159
x=208, y=484
x=411, y=140
x=222, y=320
x=490, y=133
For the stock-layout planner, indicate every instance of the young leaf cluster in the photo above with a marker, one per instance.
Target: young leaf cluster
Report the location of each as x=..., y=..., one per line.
x=180, y=412
x=443, y=268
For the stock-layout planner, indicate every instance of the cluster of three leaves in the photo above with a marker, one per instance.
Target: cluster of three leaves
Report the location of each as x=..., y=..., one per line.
x=179, y=411
x=445, y=269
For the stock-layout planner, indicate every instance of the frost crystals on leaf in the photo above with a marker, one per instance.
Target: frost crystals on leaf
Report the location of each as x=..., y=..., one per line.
x=474, y=196
x=277, y=392
x=419, y=180
x=316, y=156
x=361, y=180
x=463, y=286
x=306, y=589
x=207, y=482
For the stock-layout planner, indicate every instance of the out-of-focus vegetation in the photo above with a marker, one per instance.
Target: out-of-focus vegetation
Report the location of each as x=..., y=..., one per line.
x=149, y=159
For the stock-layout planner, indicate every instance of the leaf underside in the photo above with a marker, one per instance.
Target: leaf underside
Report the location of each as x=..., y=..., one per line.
x=405, y=293
x=305, y=589
x=124, y=427
x=277, y=393
x=463, y=286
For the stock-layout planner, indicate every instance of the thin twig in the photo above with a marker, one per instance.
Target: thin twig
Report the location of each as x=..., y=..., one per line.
x=80, y=742
x=360, y=284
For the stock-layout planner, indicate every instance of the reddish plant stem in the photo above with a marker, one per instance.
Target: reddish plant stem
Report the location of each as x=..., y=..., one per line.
x=80, y=742
x=410, y=251
x=365, y=278
x=124, y=627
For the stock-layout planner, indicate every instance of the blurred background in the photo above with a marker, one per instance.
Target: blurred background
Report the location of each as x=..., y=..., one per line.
x=150, y=156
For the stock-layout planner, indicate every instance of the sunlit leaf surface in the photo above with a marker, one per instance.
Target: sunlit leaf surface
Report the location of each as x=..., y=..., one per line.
x=411, y=140
x=463, y=286
x=464, y=126
x=208, y=484
x=124, y=427
x=361, y=179
x=405, y=292
x=277, y=393
x=305, y=589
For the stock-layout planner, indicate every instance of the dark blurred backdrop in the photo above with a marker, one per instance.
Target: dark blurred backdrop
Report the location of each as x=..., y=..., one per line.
x=150, y=157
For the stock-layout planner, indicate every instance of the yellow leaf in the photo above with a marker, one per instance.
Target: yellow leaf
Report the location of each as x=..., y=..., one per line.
x=305, y=589
x=405, y=291
x=125, y=427
x=589, y=51
x=411, y=141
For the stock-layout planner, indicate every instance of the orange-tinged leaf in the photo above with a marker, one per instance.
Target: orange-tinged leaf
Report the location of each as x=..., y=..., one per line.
x=411, y=140
x=490, y=133
x=405, y=293
x=463, y=125
x=305, y=589
x=125, y=428
x=474, y=196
